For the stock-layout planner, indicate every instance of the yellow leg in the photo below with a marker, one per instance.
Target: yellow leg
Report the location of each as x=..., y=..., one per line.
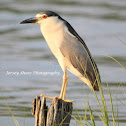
x=54, y=98
x=63, y=90
x=42, y=95
x=64, y=93
x=64, y=85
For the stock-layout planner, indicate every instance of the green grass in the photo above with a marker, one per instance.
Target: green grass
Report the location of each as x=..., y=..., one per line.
x=15, y=120
x=103, y=114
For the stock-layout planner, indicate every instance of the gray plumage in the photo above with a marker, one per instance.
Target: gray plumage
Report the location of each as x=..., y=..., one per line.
x=81, y=57
x=69, y=49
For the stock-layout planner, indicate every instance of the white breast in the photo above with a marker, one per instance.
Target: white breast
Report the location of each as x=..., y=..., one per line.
x=52, y=30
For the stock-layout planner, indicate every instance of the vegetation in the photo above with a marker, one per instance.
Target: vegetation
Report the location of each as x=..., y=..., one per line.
x=104, y=115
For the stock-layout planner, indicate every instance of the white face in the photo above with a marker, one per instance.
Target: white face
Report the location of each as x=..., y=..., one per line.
x=48, y=23
x=41, y=18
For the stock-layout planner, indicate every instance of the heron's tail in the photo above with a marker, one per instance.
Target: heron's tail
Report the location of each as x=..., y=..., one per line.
x=94, y=79
x=95, y=86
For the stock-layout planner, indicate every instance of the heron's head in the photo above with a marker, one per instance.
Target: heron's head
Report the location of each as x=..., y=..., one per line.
x=47, y=17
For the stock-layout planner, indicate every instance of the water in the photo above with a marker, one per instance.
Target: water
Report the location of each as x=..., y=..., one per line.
x=22, y=49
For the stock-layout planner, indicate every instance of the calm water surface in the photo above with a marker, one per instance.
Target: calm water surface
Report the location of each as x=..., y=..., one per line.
x=101, y=23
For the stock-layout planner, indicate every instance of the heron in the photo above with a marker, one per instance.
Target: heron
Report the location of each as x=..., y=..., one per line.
x=69, y=49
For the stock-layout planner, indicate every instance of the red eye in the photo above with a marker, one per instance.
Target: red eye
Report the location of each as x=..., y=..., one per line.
x=44, y=16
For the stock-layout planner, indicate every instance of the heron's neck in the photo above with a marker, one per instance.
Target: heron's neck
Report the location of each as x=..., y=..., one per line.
x=52, y=29
x=51, y=24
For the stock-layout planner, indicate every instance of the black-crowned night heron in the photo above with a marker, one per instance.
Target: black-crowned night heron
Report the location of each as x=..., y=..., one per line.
x=69, y=49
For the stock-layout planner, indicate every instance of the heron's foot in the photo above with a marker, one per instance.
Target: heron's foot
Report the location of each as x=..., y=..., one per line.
x=62, y=99
x=69, y=101
x=55, y=98
x=42, y=95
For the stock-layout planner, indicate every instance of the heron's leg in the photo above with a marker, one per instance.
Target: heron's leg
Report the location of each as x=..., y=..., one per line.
x=42, y=95
x=63, y=90
x=66, y=82
x=64, y=85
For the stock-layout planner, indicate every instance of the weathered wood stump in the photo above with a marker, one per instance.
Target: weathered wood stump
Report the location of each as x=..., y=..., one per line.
x=59, y=112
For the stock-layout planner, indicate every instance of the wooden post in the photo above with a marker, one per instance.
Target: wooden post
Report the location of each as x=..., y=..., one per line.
x=59, y=112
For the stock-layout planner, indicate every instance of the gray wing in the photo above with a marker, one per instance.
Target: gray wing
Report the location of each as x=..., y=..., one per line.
x=76, y=51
